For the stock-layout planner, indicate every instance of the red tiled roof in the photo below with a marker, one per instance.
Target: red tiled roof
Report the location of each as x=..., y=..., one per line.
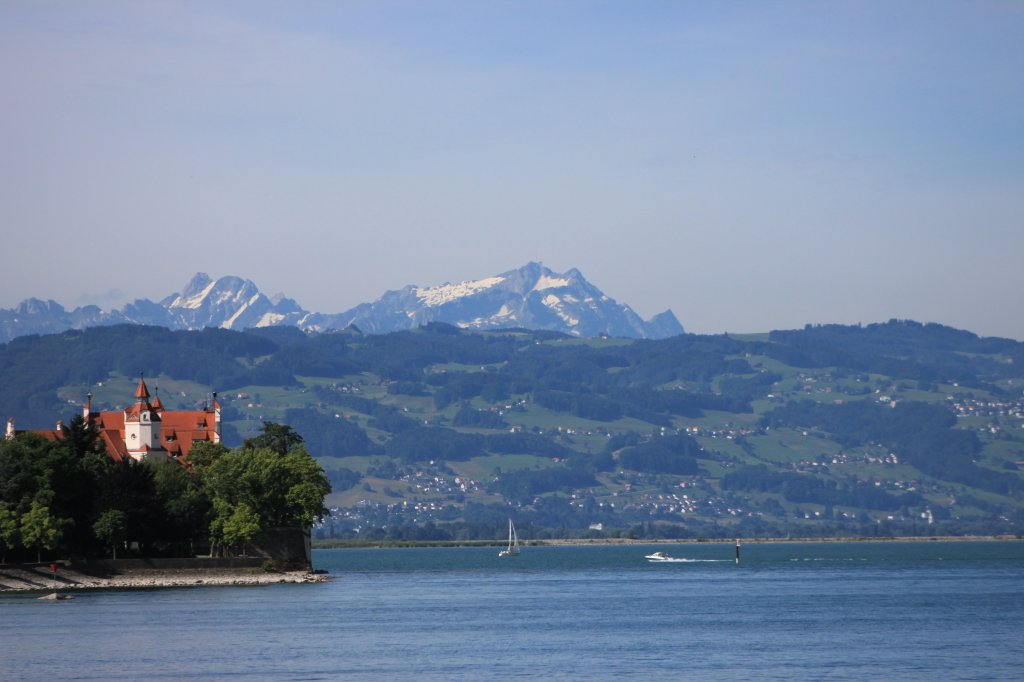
x=113, y=440
x=179, y=430
x=134, y=413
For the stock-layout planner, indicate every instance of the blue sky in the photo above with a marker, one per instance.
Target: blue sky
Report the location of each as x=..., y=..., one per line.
x=751, y=165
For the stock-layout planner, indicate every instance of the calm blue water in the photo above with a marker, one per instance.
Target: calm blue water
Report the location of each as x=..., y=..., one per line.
x=806, y=611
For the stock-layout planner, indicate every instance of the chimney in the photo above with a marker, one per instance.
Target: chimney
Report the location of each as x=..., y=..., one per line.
x=10, y=428
x=60, y=426
x=87, y=408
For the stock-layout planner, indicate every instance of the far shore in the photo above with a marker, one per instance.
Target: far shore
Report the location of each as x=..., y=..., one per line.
x=552, y=542
x=755, y=541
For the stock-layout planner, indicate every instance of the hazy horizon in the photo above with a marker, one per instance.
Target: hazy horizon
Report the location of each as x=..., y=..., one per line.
x=751, y=166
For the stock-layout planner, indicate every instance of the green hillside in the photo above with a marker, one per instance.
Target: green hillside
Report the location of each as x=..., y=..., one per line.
x=895, y=428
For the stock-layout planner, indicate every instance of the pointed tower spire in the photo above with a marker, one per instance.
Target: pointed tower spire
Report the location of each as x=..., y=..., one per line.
x=141, y=392
x=157, y=403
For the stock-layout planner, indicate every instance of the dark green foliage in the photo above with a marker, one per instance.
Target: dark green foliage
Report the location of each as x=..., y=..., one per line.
x=899, y=348
x=478, y=419
x=434, y=443
x=602, y=461
x=280, y=438
x=746, y=389
x=329, y=436
x=458, y=386
x=803, y=488
x=342, y=479
x=584, y=405
x=522, y=486
x=666, y=455
x=70, y=498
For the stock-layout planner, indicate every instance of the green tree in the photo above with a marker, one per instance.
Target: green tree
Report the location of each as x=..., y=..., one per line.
x=184, y=506
x=204, y=453
x=111, y=528
x=9, y=536
x=40, y=529
x=235, y=524
x=131, y=488
x=277, y=437
x=259, y=485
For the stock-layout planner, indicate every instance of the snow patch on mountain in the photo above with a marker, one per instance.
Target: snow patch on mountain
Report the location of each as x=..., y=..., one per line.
x=270, y=319
x=195, y=301
x=446, y=293
x=546, y=282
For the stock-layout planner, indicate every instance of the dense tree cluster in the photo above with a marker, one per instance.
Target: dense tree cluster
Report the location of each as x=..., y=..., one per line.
x=803, y=488
x=68, y=498
x=523, y=486
x=663, y=455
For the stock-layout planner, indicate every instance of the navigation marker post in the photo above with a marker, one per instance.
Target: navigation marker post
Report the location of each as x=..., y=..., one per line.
x=737, y=551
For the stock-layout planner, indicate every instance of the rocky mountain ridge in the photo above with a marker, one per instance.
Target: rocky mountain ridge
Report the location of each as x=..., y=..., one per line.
x=531, y=297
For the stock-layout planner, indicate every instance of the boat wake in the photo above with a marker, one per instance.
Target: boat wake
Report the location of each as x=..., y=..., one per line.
x=674, y=560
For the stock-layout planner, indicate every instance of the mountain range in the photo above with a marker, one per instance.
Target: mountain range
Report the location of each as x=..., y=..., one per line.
x=531, y=297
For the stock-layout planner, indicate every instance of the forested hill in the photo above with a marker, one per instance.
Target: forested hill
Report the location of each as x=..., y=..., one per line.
x=895, y=427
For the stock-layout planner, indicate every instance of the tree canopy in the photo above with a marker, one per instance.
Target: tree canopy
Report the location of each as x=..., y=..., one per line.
x=67, y=497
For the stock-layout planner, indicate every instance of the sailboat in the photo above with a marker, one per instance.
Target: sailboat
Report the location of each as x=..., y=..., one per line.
x=513, y=542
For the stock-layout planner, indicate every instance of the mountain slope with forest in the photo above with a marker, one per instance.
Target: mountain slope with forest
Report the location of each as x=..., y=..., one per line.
x=894, y=428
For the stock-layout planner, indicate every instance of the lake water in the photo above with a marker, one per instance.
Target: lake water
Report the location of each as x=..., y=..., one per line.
x=804, y=611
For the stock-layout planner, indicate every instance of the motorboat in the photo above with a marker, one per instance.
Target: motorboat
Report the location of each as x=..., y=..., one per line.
x=658, y=556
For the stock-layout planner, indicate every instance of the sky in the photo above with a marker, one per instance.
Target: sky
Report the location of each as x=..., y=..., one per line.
x=750, y=165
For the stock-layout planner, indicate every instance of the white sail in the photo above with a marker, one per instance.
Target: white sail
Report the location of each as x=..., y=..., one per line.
x=513, y=542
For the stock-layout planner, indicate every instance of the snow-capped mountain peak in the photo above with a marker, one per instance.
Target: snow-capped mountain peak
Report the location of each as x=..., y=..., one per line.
x=532, y=297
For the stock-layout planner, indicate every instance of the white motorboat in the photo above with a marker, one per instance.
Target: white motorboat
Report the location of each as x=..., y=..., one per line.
x=658, y=556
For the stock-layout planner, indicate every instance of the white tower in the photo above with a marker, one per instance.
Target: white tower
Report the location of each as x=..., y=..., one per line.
x=141, y=425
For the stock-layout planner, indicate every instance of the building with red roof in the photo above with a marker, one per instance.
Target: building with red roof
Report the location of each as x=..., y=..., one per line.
x=145, y=430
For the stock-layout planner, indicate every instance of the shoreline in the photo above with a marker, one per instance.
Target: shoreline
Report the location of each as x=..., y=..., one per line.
x=567, y=542
x=21, y=579
x=770, y=540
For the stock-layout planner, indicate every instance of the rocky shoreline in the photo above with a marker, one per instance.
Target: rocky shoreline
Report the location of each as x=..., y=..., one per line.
x=37, y=579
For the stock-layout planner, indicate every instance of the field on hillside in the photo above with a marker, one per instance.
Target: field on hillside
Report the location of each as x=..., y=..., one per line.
x=901, y=426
